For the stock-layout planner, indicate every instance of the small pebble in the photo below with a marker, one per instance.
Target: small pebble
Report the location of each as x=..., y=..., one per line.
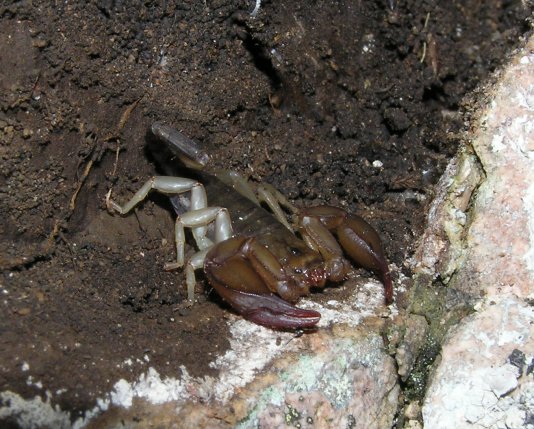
x=39, y=43
x=184, y=311
x=412, y=410
x=23, y=311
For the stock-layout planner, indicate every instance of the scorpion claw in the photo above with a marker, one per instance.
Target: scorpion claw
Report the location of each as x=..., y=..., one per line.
x=355, y=236
x=276, y=313
x=362, y=243
x=268, y=310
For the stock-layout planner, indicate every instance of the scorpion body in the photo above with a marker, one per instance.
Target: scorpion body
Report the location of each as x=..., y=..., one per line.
x=251, y=256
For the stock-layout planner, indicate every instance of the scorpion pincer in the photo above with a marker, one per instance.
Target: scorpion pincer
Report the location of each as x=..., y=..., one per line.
x=259, y=263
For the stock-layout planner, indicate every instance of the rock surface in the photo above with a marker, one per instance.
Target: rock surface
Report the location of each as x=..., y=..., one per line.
x=483, y=244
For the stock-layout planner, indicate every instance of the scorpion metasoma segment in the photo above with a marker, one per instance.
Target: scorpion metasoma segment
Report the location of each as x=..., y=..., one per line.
x=258, y=262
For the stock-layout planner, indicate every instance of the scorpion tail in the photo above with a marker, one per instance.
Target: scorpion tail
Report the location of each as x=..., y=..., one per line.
x=190, y=153
x=268, y=309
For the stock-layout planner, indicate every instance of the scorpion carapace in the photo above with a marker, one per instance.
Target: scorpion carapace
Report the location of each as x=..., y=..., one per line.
x=254, y=259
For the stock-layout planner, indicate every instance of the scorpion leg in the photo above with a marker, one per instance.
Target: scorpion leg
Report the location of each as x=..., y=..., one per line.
x=171, y=186
x=266, y=193
x=196, y=219
x=164, y=184
x=194, y=263
x=238, y=182
x=357, y=238
x=275, y=200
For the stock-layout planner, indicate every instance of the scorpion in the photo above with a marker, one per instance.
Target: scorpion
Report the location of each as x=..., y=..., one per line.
x=258, y=263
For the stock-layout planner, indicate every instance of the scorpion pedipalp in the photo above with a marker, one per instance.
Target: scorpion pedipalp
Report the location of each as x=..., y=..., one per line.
x=357, y=238
x=268, y=309
x=250, y=278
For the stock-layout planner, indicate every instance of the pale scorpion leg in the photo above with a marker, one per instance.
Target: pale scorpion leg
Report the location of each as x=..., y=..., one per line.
x=266, y=193
x=238, y=182
x=276, y=200
x=171, y=186
x=194, y=219
x=194, y=263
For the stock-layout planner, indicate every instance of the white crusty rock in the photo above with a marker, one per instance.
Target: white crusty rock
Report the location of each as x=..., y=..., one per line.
x=484, y=379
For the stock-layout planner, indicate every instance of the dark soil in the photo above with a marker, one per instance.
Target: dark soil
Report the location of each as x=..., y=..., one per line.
x=351, y=103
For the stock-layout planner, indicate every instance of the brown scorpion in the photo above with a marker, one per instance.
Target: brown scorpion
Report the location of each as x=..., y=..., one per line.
x=256, y=262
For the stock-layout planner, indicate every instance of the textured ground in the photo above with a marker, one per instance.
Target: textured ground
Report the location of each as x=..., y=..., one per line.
x=352, y=103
